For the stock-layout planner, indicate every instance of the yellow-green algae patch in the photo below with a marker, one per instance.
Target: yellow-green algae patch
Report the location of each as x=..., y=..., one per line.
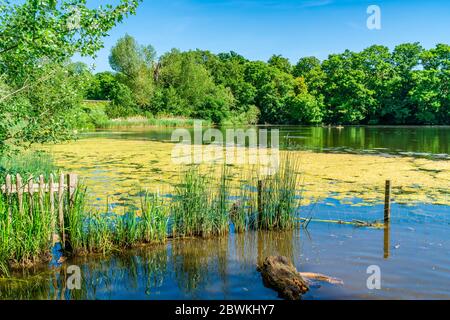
x=118, y=169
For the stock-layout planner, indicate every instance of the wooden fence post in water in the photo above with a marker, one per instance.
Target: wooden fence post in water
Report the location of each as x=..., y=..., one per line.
x=260, y=203
x=61, y=209
x=387, y=202
x=19, y=189
x=52, y=206
x=387, y=240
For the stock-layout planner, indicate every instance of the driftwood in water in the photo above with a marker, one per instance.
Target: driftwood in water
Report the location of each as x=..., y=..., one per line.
x=281, y=275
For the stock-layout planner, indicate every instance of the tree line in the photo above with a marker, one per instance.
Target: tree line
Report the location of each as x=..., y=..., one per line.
x=42, y=92
x=407, y=85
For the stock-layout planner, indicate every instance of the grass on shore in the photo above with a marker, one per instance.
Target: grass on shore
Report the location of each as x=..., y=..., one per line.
x=27, y=229
x=141, y=121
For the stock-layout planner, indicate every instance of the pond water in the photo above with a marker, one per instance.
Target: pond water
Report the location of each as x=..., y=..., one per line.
x=344, y=172
x=429, y=142
x=413, y=256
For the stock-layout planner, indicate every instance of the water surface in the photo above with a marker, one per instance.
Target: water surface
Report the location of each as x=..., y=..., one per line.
x=344, y=170
x=413, y=255
x=419, y=141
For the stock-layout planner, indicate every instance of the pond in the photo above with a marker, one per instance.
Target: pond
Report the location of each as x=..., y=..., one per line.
x=343, y=172
x=431, y=142
x=412, y=256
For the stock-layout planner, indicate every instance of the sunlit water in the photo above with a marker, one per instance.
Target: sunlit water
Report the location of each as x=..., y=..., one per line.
x=413, y=256
x=431, y=142
x=413, y=253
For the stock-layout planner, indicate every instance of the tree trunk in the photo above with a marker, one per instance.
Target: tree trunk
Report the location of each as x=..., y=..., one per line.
x=281, y=275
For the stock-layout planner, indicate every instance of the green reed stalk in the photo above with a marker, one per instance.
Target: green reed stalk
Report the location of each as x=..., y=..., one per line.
x=155, y=219
x=26, y=235
x=200, y=207
x=280, y=199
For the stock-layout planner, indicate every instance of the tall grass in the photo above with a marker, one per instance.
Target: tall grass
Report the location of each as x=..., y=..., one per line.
x=26, y=163
x=95, y=232
x=27, y=232
x=200, y=206
x=242, y=212
x=273, y=207
x=155, y=218
x=280, y=199
x=141, y=121
x=26, y=235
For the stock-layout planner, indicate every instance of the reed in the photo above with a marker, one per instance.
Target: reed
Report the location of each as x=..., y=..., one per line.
x=243, y=211
x=279, y=198
x=201, y=206
x=155, y=218
x=94, y=232
x=26, y=233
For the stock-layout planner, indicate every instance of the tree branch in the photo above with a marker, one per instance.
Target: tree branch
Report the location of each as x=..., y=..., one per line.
x=4, y=98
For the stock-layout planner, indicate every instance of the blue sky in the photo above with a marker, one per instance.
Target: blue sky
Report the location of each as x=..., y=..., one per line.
x=294, y=28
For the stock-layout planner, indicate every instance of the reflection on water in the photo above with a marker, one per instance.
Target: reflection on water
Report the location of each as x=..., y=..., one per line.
x=412, y=254
x=412, y=251
x=387, y=239
x=420, y=141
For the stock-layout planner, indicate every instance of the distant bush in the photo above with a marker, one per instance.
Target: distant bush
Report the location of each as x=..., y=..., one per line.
x=122, y=103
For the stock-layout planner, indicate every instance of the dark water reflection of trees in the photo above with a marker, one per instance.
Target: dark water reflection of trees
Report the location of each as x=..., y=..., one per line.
x=191, y=265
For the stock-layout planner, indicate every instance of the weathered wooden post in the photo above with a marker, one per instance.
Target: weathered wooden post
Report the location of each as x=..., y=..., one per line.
x=260, y=203
x=61, y=209
x=387, y=239
x=52, y=207
x=41, y=195
x=30, y=195
x=19, y=189
x=71, y=189
x=387, y=202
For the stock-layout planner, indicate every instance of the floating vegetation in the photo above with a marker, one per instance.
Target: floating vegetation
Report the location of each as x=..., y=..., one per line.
x=201, y=206
x=324, y=174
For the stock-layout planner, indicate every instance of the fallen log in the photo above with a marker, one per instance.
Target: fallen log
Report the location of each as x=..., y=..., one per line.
x=282, y=276
x=310, y=277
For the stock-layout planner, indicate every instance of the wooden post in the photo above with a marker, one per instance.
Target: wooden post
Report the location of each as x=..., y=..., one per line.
x=19, y=189
x=387, y=202
x=41, y=194
x=61, y=209
x=8, y=187
x=260, y=203
x=52, y=207
x=387, y=239
x=30, y=195
x=71, y=187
